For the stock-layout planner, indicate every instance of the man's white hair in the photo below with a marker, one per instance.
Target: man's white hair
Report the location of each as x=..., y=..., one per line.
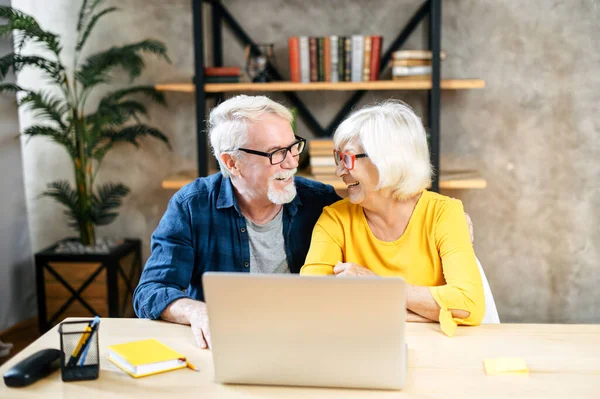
x=228, y=123
x=394, y=138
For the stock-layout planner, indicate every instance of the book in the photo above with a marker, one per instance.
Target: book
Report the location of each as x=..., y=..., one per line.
x=375, y=57
x=347, y=59
x=412, y=77
x=327, y=59
x=323, y=170
x=415, y=54
x=324, y=160
x=320, y=59
x=358, y=48
x=145, y=357
x=335, y=58
x=222, y=71
x=294, y=56
x=341, y=57
x=320, y=143
x=304, y=60
x=412, y=70
x=366, y=59
x=222, y=79
x=410, y=62
x=321, y=152
x=314, y=65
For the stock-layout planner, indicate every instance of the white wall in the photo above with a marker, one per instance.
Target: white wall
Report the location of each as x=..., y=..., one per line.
x=17, y=289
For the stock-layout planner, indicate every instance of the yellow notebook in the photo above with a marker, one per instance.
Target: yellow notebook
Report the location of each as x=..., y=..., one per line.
x=146, y=357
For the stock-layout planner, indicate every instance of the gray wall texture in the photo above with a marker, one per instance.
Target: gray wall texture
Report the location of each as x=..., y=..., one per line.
x=532, y=132
x=17, y=292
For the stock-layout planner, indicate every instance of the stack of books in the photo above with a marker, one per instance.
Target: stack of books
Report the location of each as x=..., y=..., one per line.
x=226, y=74
x=322, y=163
x=334, y=58
x=412, y=64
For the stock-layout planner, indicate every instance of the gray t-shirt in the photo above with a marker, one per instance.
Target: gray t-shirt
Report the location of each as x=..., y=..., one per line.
x=267, y=247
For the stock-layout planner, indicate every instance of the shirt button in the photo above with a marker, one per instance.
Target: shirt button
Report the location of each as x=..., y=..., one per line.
x=246, y=264
x=243, y=229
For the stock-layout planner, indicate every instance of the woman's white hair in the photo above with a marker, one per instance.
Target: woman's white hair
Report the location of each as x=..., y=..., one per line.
x=394, y=138
x=228, y=123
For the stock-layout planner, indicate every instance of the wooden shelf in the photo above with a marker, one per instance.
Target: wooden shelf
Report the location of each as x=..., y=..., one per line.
x=425, y=84
x=450, y=180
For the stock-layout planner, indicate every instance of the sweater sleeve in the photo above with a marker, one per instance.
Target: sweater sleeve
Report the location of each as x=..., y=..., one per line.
x=463, y=289
x=325, y=246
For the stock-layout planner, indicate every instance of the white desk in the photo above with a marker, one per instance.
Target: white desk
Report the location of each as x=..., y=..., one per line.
x=564, y=362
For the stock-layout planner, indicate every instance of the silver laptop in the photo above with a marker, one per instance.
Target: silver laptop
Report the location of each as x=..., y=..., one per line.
x=307, y=331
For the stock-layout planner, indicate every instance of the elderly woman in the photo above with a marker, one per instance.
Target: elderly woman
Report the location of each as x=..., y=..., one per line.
x=390, y=225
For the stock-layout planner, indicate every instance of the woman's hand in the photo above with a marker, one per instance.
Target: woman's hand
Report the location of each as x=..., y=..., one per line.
x=351, y=269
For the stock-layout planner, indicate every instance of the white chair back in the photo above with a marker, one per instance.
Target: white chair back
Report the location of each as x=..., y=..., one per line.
x=491, y=313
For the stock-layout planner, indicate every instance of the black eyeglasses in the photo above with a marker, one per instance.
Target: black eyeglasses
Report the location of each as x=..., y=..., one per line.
x=279, y=155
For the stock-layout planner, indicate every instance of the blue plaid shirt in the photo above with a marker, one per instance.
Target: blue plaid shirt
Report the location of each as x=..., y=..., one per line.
x=204, y=230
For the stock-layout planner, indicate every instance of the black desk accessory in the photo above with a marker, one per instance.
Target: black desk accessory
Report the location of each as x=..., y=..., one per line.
x=33, y=368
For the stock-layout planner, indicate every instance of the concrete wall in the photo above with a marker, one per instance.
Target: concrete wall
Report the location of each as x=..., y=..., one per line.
x=532, y=131
x=17, y=292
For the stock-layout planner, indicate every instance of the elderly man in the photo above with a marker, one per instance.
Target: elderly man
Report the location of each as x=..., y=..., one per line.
x=254, y=216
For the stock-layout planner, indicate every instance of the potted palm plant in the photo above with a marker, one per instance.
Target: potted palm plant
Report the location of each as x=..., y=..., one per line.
x=64, y=115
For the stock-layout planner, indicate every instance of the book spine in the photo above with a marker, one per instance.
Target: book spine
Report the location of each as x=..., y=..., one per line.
x=294, y=54
x=409, y=71
x=415, y=54
x=327, y=59
x=348, y=60
x=357, y=57
x=304, y=60
x=410, y=62
x=312, y=47
x=221, y=71
x=320, y=59
x=366, y=70
x=341, y=57
x=375, y=57
x=222, y=79
x=335, y=58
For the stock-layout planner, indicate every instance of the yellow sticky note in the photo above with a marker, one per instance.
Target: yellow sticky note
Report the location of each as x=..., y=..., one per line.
x=505, y=365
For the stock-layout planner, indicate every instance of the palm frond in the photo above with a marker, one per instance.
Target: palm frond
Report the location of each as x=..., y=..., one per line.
x=95, y=70
x=46, y=106
x=25, y=27
x=148, y=91
x=17, y=62
x=62, y=192
x=55, y=135
x=130, y=134
x=90, y=26
x=109, y=198
x=115, y=114
x=10, y=88
x=85, y=11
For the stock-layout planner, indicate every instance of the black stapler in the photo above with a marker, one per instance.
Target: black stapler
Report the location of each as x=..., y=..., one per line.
x=32, y=368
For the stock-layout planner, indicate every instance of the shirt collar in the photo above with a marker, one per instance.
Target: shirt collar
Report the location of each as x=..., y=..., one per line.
x=227, y=199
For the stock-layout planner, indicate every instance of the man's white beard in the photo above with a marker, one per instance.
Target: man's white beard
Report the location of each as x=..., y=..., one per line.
x=286, y=195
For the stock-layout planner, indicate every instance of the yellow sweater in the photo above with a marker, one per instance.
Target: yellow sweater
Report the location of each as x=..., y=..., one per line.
x=435, y=251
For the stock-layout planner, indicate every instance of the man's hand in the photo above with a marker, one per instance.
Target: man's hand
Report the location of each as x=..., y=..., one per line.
x=199, y=324
x=193, y=313
x=351, y=269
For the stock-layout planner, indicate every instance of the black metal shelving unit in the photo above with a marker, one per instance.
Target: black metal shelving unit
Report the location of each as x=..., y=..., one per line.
x=220, y=15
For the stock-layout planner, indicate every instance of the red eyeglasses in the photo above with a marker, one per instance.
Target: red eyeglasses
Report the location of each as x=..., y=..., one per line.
x=347, y=158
